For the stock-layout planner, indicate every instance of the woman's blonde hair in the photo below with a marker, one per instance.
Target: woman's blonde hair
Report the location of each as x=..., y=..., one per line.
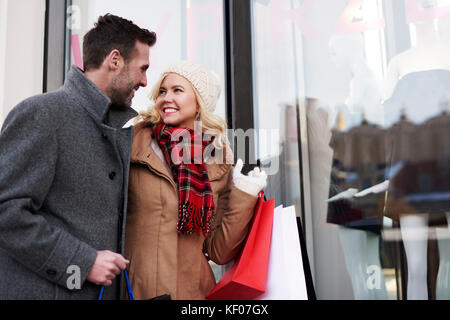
x=212, y=124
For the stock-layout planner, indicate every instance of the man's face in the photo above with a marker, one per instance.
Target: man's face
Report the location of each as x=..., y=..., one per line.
x=132, y=76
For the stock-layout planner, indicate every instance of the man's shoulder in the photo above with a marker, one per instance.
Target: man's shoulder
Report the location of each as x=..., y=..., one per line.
x=43, y=110
x=51, y=100
x=42, y=105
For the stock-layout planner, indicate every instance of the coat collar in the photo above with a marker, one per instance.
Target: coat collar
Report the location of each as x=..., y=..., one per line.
x=89, y=96
x=142, y=152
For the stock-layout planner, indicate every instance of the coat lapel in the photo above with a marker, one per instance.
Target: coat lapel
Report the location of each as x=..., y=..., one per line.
x=94, y=101
x=142, y=152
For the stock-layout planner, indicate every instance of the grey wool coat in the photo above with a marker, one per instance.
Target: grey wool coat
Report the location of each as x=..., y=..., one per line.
x=64, y=164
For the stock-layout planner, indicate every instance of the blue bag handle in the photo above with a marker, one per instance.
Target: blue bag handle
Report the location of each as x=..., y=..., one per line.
x=130, y=291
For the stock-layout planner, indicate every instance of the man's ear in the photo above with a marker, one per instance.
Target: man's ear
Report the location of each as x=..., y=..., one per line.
x=114, y=60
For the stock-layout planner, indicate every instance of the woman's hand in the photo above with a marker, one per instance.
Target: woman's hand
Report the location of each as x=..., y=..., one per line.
x=253, y=183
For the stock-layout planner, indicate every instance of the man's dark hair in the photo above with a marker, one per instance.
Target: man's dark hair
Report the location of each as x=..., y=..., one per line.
x=112, y=32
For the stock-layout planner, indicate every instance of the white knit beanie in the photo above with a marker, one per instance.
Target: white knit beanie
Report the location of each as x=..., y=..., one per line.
x=205, y=81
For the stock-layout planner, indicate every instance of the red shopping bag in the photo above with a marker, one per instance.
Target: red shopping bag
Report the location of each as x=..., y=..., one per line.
x=246, y=279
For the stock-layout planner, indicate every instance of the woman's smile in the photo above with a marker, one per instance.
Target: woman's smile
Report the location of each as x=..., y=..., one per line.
x=169, y=110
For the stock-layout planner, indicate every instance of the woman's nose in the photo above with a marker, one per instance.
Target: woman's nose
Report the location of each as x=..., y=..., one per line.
x=168, y=97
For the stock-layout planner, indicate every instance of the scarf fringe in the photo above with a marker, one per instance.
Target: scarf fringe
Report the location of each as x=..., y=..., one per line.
x=192, y=218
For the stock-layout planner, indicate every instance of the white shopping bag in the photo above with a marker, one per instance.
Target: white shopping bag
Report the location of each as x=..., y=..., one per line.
x=285, y=275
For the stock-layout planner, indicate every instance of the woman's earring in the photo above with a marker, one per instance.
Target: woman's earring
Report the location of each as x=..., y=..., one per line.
x=198, y=116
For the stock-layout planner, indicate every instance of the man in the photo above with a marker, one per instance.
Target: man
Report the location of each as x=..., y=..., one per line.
x=64, y=162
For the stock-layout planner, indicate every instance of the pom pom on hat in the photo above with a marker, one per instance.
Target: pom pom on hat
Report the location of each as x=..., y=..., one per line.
x=206, y=82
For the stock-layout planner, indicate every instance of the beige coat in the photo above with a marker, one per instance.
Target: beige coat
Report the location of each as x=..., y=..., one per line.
x=161, y=260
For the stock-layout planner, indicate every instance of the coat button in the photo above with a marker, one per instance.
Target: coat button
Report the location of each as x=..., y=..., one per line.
x=104, y=136
x=51, y=272
x=112, y=175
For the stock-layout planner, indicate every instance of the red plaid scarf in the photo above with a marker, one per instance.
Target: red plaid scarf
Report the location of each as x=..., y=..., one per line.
x=196, y=202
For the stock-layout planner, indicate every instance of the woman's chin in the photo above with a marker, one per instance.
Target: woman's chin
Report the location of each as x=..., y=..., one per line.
x=171, y=122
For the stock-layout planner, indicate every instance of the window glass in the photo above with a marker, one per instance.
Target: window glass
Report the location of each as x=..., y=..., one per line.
x=277, y=53
x=367, y=83
x=186, y=30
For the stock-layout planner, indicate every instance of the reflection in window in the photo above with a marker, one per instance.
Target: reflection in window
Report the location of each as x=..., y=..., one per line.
x=277, y=46
x=377, y=135
x=186, y=30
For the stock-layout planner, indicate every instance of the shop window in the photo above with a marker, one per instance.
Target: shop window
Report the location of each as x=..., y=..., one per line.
x=359, y=88
x=186, y=30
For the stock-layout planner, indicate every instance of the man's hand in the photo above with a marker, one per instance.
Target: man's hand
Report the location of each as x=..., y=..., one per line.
x=106, y=267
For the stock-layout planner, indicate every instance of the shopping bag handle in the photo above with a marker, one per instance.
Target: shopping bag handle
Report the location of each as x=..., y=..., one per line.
x=129, y=290
x=261, y=194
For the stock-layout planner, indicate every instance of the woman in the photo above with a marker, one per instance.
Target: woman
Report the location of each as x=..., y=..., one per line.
x=183, y=213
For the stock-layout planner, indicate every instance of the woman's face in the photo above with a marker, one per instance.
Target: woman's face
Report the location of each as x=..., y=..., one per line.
x=176, y=102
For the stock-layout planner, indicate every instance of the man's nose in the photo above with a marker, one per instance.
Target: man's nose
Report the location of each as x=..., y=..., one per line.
x=143, y=81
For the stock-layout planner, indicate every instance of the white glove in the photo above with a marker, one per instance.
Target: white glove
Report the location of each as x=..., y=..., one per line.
x=253, y=183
